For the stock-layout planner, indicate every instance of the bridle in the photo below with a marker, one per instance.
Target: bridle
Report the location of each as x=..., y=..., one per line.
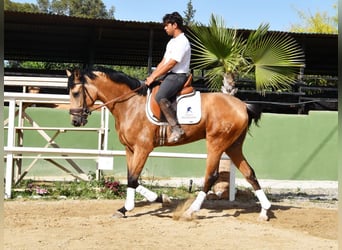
x=85, y=111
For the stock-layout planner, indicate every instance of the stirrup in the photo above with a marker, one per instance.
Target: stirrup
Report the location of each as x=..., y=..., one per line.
x=175, y=135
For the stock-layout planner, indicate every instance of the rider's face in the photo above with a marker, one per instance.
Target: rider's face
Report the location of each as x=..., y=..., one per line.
x=170, y=28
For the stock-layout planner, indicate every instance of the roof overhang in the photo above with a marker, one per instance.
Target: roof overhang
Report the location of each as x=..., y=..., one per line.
x=56, y=38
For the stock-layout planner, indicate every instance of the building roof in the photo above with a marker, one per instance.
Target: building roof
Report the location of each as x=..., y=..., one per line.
x=57, y=38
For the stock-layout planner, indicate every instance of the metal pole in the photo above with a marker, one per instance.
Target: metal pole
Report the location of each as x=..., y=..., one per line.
x=150, y=50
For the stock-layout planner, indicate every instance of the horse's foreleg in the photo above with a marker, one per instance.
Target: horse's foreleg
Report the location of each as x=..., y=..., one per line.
x=152, y=196
x=135, y=164
x=148, y=194
x=235, y=154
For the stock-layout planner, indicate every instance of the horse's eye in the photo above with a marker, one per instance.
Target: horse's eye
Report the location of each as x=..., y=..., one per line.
x=75, y=94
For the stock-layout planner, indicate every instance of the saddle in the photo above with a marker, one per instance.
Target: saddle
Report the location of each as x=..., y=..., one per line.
x=186, y=90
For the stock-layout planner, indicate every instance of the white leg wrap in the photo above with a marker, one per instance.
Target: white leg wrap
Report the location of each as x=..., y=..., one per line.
x=196, y=205
x=148, y=194
x=265, y=204
x=129, y=203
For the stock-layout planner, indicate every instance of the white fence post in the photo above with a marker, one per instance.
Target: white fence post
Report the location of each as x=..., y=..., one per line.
x=10, y=143
x=232, y=170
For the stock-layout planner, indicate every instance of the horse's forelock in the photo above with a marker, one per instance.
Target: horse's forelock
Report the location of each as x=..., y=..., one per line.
x=80, y=76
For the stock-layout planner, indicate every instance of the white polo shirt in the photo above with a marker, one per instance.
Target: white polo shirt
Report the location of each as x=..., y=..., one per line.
x=179, y=49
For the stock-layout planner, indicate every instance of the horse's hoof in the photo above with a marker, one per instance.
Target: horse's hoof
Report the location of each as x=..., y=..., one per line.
x=263, y=215
x=263, y=218
x=188, y=216
x=118, y=215
x=212, y=196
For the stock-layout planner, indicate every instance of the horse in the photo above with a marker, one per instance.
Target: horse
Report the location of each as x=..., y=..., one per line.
x=224, y=124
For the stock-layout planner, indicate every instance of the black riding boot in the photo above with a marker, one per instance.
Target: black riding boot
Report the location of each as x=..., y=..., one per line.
x=176, y=130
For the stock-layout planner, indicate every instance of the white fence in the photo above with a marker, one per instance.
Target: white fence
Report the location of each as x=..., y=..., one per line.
x=18, y=102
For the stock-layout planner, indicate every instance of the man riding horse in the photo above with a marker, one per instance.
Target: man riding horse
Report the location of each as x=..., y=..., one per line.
x=121, y=94
x=175, y=68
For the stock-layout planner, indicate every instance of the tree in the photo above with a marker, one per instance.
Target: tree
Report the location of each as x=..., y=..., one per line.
x=320, y=22
x=78, y=8
x=24, y=7
x=189, y=14
x=44, y=5
x=81, y=8
x=274, y=58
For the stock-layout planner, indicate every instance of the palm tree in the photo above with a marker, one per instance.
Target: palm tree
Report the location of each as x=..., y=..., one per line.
x=274, y=57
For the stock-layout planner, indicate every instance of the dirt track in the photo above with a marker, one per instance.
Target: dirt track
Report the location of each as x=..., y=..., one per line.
x=87, y=224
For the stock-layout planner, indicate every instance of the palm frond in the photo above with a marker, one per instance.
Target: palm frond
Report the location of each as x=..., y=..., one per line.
x=277, y=59
x=256, y=35
x=274, y=57
x=215, y=78
x=216, y=46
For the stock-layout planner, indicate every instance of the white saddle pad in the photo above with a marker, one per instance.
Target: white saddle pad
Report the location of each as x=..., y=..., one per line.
x=188, y=109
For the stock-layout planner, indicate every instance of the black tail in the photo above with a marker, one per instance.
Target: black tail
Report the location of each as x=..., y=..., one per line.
x=254, y=113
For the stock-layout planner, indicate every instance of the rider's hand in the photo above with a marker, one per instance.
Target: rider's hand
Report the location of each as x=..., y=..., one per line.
x=149, y=80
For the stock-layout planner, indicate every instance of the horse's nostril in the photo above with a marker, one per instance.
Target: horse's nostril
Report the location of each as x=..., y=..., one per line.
x=84, y=122
x=75, y=123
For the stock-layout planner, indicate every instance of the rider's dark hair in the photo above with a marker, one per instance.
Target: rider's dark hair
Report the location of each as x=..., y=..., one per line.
x=172, y=18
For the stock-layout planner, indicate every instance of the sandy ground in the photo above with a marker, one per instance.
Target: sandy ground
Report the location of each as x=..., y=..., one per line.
x=88, y=224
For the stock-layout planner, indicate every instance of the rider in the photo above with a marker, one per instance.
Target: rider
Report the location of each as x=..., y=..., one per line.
x=175, y=66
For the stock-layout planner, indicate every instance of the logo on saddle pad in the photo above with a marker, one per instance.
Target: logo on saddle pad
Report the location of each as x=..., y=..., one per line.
x=188, y=108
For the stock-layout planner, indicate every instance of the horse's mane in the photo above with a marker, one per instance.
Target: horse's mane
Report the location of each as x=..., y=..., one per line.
x=116, y=76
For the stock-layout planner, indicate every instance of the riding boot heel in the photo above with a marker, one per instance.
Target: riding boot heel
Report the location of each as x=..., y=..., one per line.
x=176, y=134
x=170, y=115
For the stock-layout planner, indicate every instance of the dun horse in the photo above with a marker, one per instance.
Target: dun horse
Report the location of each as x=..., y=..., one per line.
x=224, y=123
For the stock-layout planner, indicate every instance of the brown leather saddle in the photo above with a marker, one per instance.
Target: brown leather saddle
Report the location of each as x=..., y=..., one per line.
x=155, y=109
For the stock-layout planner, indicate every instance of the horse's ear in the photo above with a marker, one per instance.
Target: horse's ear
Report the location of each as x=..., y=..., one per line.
x=77, y=73
x=68, y=73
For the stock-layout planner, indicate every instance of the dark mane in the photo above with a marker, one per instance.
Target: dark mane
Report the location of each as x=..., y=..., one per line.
x=116, y=76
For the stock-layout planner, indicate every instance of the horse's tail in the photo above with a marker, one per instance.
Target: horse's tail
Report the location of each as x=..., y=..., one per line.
x=254, y=113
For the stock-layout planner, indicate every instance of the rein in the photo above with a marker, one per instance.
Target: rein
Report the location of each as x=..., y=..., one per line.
x=85, y=111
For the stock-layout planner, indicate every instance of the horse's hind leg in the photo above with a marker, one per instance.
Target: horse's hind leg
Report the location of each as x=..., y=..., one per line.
x=212, y=164
x=237, y=157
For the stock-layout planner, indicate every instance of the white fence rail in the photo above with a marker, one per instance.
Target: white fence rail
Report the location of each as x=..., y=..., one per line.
x=51, y=150
x=30, y=81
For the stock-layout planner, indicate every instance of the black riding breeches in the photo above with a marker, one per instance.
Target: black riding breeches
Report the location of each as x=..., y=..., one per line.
x=170, y=86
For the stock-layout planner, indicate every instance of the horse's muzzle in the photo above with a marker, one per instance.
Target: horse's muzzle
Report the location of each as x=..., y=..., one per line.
x=79, y=117
x=79, y=121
